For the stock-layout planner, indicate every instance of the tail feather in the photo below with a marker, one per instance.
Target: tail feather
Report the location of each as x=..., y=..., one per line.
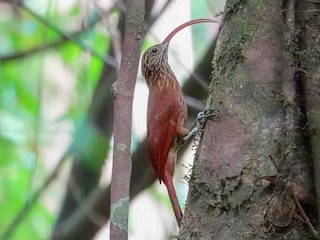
x=173, y=198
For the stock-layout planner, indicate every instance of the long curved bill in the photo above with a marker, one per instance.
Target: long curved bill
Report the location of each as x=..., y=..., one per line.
x=186, y=24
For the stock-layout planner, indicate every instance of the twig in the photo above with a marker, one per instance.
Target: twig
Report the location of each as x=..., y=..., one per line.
x=153, y=19
x=38, y=121
x=56, y=43
x=306, y=219
x=83, y=46
x=101, y=100
x=24, y=211
x=27, y=207
x=123, y=90
x=194, y=103
x=35, y=197
x=315, y=1
x=115, y=35
x=95, y=217
x=79, y=224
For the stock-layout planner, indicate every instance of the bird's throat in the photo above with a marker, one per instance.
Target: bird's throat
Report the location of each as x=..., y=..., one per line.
x=163, y=81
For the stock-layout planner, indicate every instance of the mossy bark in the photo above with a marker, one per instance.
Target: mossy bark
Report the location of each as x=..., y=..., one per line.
x=262, y=130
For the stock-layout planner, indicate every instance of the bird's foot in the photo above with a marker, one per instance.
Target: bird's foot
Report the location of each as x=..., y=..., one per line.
x=207, y=114
x=202, y=117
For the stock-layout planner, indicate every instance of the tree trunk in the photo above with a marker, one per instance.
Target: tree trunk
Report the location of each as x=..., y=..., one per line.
x=253, y=171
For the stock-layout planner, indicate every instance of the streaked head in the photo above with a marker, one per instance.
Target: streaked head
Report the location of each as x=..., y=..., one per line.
x=154, y=58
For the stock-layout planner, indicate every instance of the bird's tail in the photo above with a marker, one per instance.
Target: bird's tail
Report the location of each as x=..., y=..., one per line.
x=168, y=181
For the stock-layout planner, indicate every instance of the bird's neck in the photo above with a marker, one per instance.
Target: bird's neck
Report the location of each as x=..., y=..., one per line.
x=162, y=81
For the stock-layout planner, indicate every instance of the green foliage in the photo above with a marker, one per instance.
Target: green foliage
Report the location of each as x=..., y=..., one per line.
x=25, y=128
x=90, y=143
x=28, y=89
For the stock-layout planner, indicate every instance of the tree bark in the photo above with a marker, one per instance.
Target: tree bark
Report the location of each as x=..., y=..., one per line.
x=253, y=172
x=308, y=21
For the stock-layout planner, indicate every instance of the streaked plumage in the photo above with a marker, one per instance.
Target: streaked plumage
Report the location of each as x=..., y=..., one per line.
x=167, y=112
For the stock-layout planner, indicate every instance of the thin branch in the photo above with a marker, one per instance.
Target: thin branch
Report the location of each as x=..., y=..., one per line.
x=101, y=115
x=34, y=199
x=140, y=181
x=194, y=103
x=115, y=35
x=121, y=5
x=107, y=59
x=123, y=90
x=56, y=43
x=95, y=217
x=38, y=122
x=153, y=19
x=27, y=207
x=78, y=224
x=306, y=218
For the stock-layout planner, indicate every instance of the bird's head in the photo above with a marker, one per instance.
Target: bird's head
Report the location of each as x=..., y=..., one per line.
x=155, y=58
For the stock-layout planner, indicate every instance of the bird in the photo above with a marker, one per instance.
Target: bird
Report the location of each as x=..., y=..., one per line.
x=166, y=113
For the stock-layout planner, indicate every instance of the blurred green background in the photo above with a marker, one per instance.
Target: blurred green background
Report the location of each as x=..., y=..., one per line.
x=46, y=86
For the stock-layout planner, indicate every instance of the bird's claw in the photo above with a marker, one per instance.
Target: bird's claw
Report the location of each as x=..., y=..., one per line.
x=207, y=114
x=200, y=120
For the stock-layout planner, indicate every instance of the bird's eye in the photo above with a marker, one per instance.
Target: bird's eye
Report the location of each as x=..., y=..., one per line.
x=154, y=50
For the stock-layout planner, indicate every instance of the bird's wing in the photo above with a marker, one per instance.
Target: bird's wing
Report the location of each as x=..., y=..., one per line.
x=163, y=117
